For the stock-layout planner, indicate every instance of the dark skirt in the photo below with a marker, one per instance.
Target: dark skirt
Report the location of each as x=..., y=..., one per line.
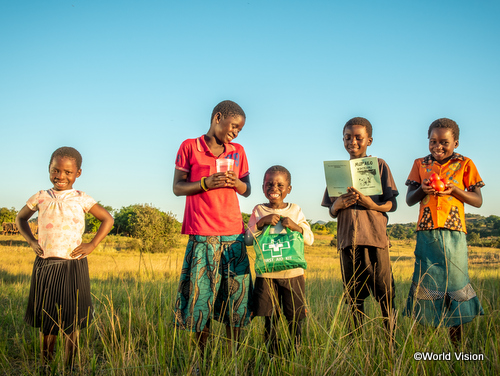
x=59, y=296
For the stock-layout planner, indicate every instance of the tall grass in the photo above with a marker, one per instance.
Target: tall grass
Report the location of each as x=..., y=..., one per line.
x=133, y=334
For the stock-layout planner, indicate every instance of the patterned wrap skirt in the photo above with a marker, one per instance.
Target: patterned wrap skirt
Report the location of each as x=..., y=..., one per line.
x=441, y=293
x=59, y=296
x=215, y=282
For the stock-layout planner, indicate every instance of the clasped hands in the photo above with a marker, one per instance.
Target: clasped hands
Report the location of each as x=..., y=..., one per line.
x=273, y=219
x=221, y=180
x=428, y=190
x=353, y=196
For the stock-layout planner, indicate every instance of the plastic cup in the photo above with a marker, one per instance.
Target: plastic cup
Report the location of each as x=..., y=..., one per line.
x=224, y=164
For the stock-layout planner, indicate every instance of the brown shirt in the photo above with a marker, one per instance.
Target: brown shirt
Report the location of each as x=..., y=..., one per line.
x=356, y=225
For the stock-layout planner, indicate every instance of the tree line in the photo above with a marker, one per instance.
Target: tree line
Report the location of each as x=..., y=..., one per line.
x=481, y=231
x=159, y=231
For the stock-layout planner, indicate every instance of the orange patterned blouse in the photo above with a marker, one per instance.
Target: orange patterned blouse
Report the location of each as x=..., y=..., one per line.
x=444, y=211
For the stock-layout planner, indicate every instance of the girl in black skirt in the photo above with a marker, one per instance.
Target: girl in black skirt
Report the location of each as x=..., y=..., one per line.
x=60, y=285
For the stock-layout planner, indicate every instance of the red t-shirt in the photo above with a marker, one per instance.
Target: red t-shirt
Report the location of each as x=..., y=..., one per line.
x=217, y=211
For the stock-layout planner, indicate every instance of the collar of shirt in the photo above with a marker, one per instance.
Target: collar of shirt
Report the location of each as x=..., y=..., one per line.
x=455, y=157
x=202, y=146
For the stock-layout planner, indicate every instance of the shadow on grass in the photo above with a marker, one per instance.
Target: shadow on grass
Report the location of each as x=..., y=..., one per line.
x=14, y=243
x=401, y=258
x=9, y=278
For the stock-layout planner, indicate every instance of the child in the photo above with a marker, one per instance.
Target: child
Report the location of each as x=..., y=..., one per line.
x=285, y=289
x=60, y=286
x=441, y=293
x=215, y=278
x=361, y=232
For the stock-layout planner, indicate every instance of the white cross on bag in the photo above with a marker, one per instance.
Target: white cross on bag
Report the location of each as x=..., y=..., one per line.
x=275, y=248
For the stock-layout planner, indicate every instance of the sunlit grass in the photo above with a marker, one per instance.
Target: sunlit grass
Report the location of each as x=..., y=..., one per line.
x=133, y=334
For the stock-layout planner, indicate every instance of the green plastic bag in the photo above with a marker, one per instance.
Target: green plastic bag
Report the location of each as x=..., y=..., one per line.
x=277, y=252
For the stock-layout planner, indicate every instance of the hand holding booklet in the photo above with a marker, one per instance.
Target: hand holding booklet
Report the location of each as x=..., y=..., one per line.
x=361, y=173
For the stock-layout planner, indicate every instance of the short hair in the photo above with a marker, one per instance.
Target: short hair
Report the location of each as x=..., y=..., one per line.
x=359, y=121
x=445, y=123
x=278, y=168
x=228, y=108
x=67, y=152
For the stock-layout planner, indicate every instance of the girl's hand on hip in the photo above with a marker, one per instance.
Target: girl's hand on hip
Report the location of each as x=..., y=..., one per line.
x=36, y=248
x=82, y=250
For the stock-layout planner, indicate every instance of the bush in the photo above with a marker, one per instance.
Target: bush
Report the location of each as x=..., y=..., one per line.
x=333, y=242
x=332, y=227
x=402, y=231
x=124, y=219
x=245, y=218
x=157, y=230
x=318, y=227
x=496, y=243
x=474, y=239
x=7, y=215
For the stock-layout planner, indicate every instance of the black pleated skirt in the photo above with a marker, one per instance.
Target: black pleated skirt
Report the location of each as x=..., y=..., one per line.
x=59, y=296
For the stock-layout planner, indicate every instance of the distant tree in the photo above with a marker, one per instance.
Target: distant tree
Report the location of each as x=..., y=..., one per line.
x=245, y=217
x=7, y=215
x=331, y=226
x=483, y=227
x=158, y=231
x=474, y=238
x=496, y=243
x=318, y=227
x=401, y=231
x=124, y=219
x=473, y=216
x=397, y=231
x=92, y=223
x=493, y=223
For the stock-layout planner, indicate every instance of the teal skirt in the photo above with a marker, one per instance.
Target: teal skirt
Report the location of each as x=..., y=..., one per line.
x=215, y=283
x=441, y=293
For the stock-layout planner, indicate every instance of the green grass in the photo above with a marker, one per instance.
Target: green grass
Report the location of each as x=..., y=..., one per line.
x=133, y=334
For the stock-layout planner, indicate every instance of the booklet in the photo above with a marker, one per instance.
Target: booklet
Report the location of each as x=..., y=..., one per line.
x=361, y=173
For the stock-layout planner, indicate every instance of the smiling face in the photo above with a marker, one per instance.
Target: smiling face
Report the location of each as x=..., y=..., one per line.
x=63, y=173
x=442, y=144
x=356, y=140
x=227, y=128
x=276, y=187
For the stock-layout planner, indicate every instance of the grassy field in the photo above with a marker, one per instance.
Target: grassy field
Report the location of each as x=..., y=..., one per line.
x=133, y=334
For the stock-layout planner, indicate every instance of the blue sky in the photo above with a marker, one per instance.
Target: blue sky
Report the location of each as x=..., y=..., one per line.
x=125, y=82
